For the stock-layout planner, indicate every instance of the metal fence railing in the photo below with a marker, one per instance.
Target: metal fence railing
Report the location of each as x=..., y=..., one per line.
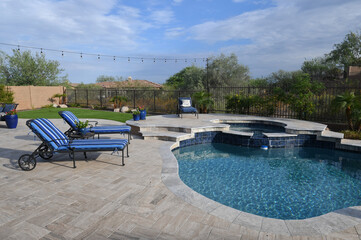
x=165, y=101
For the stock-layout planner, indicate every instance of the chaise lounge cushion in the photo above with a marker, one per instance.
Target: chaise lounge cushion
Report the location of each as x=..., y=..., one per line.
x=71, y=119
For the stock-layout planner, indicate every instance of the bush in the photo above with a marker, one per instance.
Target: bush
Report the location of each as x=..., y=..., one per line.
x=5, y=96
x=251, y=104
x=352, y=134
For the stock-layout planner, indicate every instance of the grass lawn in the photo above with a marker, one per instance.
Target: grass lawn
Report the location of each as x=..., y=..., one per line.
x=79, y=112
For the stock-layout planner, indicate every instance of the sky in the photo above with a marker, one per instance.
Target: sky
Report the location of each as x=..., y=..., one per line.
x=266, y=35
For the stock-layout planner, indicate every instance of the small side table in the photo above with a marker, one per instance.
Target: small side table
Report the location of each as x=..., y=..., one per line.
x=81, y=136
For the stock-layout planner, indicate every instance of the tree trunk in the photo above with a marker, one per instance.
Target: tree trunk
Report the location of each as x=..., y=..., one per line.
x=349, y=119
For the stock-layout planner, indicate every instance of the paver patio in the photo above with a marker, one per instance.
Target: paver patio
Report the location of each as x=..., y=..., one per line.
x=101, y=199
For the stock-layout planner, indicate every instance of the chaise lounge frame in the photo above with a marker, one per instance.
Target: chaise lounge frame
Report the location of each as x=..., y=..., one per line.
x=54, y=141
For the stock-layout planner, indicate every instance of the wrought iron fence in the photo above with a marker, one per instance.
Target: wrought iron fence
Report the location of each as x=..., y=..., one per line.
x=165, y=101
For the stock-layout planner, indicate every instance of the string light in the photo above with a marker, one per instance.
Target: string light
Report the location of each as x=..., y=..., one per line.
x=143, y=59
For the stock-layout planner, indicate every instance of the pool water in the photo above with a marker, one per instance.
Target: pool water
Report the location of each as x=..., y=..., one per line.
x=282, y=183
x=256, y=127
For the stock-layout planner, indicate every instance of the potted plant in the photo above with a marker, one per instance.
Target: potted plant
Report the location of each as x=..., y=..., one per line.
x=143, y=112
x=82, y=127
x=136, y=115
x=11, y=119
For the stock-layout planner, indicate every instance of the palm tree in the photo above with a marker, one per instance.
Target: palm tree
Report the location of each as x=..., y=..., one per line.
x=203, y=100
x=346, y=102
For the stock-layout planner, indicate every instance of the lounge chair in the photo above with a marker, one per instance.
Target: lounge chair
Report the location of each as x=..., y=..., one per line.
x=54, y=141
x=71, y=119
x=6, y=107
x=185, y=106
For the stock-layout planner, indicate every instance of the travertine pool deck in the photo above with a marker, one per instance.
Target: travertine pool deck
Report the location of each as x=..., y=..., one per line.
x=144, y=199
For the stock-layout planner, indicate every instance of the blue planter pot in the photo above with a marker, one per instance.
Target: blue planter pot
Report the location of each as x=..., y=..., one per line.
x=136, y=117
x=11, y=121
x=83, y=131
x=143, y=114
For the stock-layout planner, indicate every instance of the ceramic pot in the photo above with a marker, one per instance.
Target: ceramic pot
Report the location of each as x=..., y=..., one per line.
x=11, y=121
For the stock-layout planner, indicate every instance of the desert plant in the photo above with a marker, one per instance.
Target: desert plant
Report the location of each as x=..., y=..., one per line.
x=203, y=100
x=350, y=103
x=60, y=96
x=117, y=100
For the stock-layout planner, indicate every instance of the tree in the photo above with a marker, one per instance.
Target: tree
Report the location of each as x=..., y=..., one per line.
x=350, y=103
x=5, y=95
x=25, y=69
x=321, y=70
x=188, y=78
x=225, y=71
x=348, y=52
x=104, y=78
x=297, y=90
x=203, y=101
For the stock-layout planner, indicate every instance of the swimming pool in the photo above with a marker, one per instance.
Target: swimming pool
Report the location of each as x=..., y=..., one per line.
x=282, y=183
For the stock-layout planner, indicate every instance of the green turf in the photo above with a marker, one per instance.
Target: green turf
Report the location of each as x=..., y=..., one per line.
x=79, y=112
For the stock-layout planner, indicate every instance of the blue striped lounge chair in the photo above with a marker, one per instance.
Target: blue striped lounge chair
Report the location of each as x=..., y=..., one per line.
x=71, y=119
x=185, y=106
x=55, y=141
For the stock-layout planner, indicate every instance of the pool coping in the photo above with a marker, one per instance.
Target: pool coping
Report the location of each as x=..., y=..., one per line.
x=335, y=221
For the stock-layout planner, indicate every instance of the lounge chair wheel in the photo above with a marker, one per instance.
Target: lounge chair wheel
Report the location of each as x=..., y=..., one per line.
x=27, y=162
x=44, y=153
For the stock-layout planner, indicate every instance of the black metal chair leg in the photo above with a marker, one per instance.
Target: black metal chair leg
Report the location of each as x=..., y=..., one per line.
x=73, y=159
x=127, y=151
x=123, y=157
x=86, y=158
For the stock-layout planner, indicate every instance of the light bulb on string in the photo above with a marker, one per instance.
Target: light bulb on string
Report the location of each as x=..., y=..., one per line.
x=142, y=60
x=81, y=55
x=41, y=51
x=62, y=53
x=98, y=56
x=154, y=60
x=113, y=58
x=18, y=48
x=128, y=59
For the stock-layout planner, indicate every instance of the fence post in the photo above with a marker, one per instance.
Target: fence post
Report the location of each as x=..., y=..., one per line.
x=87, y=97
x=133, y=98
x=75, y=96
x=100, y=99
x=154, y=100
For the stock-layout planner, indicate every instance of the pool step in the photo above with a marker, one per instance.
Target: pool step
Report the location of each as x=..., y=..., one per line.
x=330, y=136
x=165, y=135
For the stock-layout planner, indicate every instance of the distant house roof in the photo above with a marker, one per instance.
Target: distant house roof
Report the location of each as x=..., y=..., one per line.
x=130, y=84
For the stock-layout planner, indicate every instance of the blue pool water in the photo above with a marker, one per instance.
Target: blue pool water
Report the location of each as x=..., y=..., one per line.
x=282, y=183
x=256, y=127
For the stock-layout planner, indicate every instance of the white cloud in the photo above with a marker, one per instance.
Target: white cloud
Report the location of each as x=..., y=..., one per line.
x=282, y=37
x=174, y=32
x=162, y=16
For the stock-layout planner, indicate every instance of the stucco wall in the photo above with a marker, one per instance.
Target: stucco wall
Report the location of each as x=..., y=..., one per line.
x=29, y=97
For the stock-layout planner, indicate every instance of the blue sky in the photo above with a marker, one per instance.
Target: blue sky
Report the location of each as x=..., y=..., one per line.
x=266, y=35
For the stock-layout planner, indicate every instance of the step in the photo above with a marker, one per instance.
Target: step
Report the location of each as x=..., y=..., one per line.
x=165, y=135
x=330, y=136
